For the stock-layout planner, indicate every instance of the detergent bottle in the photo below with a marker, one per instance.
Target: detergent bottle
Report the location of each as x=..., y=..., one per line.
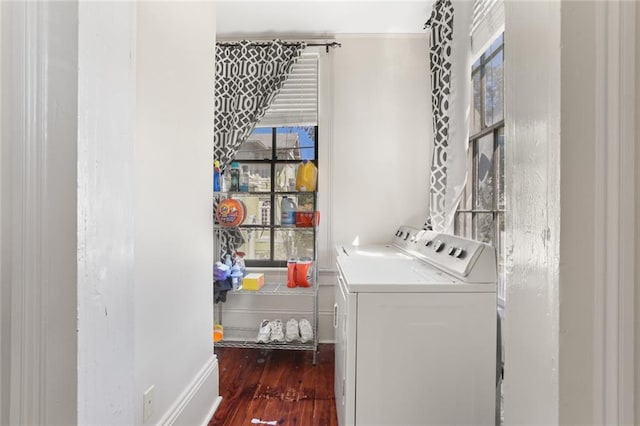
x=306, y=176
x=234, y=184
x=287, y=212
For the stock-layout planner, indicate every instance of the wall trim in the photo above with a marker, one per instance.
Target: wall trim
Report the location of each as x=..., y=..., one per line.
x=185, y=408
x=615, y=203
x=27, y=143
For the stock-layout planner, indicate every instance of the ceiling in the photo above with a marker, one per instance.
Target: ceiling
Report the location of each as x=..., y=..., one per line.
x=317, y=18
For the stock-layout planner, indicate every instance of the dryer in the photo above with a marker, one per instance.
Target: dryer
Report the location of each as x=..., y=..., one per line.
x=416, y=331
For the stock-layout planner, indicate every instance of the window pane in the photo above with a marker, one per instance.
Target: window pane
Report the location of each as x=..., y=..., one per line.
x=476, y=101
x=484, y=173
x=496, y=96
x=257, y=243
x=500, y=167
x=285, y=177
x=295, y=143
x=483, y=227
x=294, y=242
x=463, y=225
x=257, y=146
x=487, y=86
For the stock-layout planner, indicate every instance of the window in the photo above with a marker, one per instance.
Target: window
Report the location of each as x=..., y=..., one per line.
x=268, y=161
x=480, y=214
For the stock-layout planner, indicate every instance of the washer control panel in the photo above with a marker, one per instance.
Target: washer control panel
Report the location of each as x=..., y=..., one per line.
x=464, y=258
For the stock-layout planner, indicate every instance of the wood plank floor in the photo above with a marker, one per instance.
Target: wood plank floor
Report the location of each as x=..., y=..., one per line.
x=278, y=385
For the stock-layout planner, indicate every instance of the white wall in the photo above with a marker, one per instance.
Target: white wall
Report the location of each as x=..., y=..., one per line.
x=381, y=152
x=106, y=132
x=532, y=123
x=173, y=210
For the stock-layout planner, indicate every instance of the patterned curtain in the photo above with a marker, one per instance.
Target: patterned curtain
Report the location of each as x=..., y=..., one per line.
x=248, y=77
x=450, y=69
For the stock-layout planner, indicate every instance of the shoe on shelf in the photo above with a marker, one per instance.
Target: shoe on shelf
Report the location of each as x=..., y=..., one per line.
x=306, y=332
x=264, y=332
x=292, y=333
x=277, y=335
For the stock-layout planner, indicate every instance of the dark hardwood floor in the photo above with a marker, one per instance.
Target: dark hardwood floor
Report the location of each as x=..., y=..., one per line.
x=278, y=385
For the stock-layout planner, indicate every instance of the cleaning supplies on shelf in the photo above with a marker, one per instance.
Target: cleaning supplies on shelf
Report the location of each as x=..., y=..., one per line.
x=231, y=212
x=253, y=281
x=299, y=272
x=306, y=219
x=306, y=176
x=287, y=212
x=236, y=276
x=234, y=184
x=291, y=272
x=304, y=272
x=244, y=179
x=216, y=176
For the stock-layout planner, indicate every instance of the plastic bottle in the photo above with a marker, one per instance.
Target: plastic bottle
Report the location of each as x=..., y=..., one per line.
x=304, y=272
x=224, y=182
x=236, y=277
x=291, y=272
x=244, y=179
x=287, y=212
x=234, y=185
x=216, y=176
x=306, y=176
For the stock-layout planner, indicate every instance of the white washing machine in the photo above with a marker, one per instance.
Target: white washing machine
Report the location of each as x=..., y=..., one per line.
x=416, y=332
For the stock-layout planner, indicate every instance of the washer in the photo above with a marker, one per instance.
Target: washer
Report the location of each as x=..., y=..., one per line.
x=416, y=331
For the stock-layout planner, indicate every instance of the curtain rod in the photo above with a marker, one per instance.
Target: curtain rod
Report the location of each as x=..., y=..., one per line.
x=333, y=44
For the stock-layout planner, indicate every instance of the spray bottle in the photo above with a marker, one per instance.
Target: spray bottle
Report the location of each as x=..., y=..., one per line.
x=216, y=176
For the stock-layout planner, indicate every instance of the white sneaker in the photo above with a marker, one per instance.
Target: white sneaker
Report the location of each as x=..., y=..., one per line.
x=277, y=335
x=264, y=333
x=293, y=332
x=306, y=332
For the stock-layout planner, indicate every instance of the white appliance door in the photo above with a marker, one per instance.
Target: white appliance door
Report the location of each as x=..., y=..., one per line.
x=426, y=359
x=344, y=323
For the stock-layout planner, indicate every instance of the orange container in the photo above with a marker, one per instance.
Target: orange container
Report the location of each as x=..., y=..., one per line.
x=307, y=219
x=218, y=332
x=231, y=212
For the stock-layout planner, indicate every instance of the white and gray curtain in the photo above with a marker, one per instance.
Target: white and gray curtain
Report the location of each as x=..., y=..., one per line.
x=248, y=76
x=450, y=70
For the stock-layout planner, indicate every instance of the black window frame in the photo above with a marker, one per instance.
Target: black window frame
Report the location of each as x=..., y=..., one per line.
x=273, y=195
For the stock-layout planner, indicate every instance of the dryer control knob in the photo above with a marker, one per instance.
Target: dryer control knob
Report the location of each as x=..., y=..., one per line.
x=460, y=253
x=438, y=246
x=452, y=251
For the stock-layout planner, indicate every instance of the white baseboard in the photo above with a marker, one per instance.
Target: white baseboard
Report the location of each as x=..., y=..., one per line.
x=199, y=401
x=211, y=412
